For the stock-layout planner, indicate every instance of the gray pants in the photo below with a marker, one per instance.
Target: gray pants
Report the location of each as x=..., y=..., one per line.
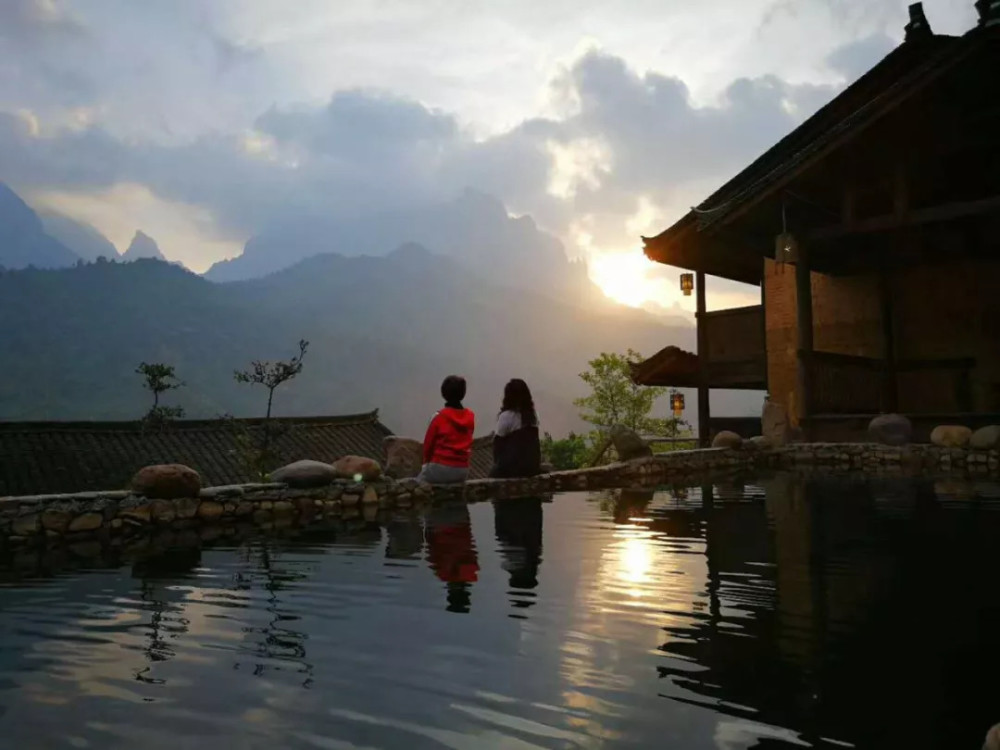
x=441, y=474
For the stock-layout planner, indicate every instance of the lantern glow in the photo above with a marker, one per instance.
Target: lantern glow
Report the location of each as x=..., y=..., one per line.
x=677, y=404
x=687, y=283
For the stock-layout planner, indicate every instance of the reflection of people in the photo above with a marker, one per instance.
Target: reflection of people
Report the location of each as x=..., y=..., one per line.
x=519, y=532
x=406, y=537
x=448, y=441
x=516, y=449
x=451, y=552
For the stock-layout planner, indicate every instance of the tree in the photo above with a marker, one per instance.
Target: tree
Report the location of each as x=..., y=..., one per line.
x=615, y=399
x=569, y=453
x=159, y=378
x=263, y=456
x=272, y=374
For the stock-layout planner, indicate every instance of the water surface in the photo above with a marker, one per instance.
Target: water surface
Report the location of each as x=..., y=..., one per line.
x=768, y=614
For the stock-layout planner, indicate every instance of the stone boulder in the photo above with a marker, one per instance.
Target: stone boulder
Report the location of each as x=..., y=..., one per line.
x=357, y=467
x=951, y=436
x=304, y=474
x=546, y=468
x=992, y=741
x=167, y=482
x=985, y=438
x=628, y=444
x=890, y=429
x=760, y=443
x=404, y=457
x=774, y=423
x=727, y=439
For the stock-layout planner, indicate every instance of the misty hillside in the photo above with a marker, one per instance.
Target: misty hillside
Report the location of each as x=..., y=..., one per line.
x=82, y=239
x=383, y=332
x=23, y=240
x=474, y=229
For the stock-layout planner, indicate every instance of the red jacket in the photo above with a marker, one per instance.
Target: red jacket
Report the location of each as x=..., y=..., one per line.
x=449, y=438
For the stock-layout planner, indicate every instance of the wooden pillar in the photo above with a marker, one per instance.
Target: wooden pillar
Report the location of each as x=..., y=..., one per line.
x=704, y=414
x=804, y=319
x=890, y=385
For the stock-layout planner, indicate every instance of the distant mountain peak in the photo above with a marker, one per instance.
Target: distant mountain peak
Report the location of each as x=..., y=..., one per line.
x=142, y=246
x=23, y=241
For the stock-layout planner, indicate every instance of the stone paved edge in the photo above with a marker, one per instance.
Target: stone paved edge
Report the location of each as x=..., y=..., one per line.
x=116, y=513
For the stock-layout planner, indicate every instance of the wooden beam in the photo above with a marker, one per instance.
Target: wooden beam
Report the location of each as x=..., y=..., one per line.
x=946, y=212
x=703, y=357
x=804, y=319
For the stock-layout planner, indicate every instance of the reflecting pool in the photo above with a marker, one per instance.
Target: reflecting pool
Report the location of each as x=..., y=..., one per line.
x=776, y=612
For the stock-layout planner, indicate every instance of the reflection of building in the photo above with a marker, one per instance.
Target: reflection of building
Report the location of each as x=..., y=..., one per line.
x=803, y=600
x=451, y=552
x=872, y=232
x=518, y=523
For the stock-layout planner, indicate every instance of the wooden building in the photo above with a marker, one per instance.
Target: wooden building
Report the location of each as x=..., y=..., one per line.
x=873, y=232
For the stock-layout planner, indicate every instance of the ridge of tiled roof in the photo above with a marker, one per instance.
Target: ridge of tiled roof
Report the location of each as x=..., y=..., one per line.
x=370, y=417
x=80, y=456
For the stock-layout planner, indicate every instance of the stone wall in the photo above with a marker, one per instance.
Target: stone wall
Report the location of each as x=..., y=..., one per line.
x=121, y=515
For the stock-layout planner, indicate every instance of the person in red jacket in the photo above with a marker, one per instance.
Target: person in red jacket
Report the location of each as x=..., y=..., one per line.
x=448, y=442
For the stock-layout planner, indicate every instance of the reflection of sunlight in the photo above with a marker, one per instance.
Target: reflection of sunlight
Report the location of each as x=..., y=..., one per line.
x=634, y=561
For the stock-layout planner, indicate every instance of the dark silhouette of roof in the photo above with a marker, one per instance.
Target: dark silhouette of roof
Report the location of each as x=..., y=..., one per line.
x=671, y=366
x=906, y=71
x=62, y=457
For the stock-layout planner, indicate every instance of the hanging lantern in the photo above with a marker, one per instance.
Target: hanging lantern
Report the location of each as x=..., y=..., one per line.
x=786, y=248
x=687, y=283
x=677, y=404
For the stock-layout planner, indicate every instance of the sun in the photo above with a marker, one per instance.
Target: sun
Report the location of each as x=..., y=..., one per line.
x=624, y=278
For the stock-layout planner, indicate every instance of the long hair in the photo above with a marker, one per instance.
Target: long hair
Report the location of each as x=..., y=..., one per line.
x=517, y=397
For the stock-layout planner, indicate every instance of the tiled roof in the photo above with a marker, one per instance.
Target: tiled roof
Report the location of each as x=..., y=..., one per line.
x=54, y=457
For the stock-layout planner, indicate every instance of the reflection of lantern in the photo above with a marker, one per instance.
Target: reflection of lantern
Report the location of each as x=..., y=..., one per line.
x=677, y=403
x=687, y=283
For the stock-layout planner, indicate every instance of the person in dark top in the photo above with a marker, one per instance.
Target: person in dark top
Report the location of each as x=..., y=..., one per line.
x=517, y=451
x=448, y=442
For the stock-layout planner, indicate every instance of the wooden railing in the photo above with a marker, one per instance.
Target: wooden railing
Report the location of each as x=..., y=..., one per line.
x=845, y=384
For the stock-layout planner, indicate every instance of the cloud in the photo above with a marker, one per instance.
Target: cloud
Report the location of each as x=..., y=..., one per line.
x=213, y=110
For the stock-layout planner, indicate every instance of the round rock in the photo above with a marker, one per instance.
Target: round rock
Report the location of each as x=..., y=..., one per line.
x=891, y=429
x=628, y=444
x=727, y=439
x=305, y=474
x=403, y=457
x=985, y=438
x=354, y=467
x=167, y=482
x=951, y=436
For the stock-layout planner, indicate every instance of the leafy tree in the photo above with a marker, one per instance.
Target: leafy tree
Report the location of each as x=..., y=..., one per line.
x=569, y=453
x=615, y=399
x=159, y=379
x=261, y=452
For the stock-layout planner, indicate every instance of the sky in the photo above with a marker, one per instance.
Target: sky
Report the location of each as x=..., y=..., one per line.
x=202, y=122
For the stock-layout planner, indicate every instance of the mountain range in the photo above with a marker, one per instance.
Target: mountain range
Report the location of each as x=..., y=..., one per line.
x=494, y=298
